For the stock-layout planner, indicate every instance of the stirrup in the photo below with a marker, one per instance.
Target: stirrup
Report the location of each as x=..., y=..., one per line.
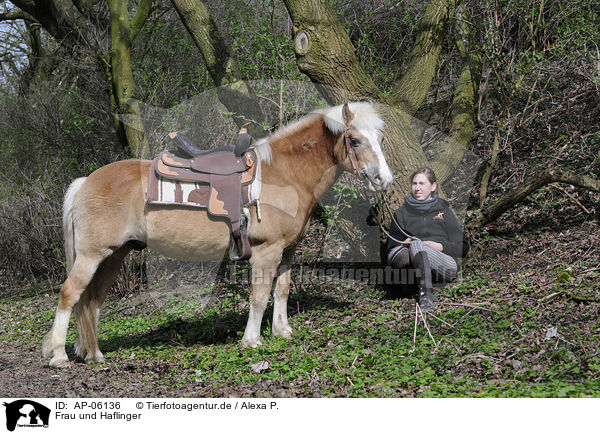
x=240, y=246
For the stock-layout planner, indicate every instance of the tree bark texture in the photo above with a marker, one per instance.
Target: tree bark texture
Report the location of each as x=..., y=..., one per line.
x=59, y=18
x=326, y=54
x=233, y=92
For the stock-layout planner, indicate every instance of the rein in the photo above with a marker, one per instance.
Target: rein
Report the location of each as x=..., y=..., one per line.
x=383, y=199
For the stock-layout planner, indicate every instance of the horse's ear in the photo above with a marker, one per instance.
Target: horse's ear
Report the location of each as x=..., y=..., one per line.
x=347, y=115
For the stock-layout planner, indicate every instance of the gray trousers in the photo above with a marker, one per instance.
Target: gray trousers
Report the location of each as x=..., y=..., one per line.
x=443, y=267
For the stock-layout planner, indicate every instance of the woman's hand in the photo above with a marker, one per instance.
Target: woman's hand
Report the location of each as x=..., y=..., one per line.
x=436, y=246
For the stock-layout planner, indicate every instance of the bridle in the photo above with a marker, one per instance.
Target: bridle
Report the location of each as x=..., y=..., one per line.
x=352, y=156
x=381, y=199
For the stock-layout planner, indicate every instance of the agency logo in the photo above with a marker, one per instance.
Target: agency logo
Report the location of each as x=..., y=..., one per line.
x=26, y=413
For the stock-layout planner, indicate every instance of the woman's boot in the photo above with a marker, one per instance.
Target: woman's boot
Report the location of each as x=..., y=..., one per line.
x=426, y=298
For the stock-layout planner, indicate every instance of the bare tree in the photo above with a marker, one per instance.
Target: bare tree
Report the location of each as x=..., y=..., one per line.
x=77, y=23
x=233, y=92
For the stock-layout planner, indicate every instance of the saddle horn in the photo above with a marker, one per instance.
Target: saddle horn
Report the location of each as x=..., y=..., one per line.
x=184, y=144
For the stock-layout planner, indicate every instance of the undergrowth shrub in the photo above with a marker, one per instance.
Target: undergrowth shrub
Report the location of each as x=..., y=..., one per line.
x=48, y=137
x=30, y=234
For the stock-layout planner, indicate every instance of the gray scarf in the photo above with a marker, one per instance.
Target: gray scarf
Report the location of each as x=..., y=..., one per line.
x=422, y=205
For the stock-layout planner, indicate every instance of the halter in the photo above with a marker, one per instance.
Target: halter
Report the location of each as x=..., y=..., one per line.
x=350, y=153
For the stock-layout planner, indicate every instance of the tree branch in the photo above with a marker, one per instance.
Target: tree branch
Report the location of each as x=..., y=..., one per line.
x=129, y=126
x=411, y=90
x=464, y=104
x=17, y=15
x=506, y=202
x=140, y=17
x=232, y=91
x=39, y=63
x=59, y=18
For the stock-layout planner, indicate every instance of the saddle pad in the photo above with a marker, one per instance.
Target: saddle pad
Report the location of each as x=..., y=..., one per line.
x=163, y=191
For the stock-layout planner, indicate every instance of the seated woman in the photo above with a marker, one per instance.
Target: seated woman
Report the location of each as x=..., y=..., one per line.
x=425, y=236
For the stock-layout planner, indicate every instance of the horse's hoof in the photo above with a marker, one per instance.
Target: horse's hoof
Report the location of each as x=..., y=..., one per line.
x=59, y=362
x=97, y=358
x=248, y=344
x=285, y=332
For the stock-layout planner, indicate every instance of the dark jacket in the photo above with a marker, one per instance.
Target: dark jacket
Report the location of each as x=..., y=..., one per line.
x=439, y=224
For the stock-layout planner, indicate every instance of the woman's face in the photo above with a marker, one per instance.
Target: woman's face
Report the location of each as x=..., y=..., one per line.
x=422, y=188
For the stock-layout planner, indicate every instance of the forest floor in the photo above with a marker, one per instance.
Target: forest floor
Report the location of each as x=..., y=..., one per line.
x=523, y=321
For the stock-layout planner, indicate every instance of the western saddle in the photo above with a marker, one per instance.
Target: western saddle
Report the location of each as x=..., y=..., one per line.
x=220, y=178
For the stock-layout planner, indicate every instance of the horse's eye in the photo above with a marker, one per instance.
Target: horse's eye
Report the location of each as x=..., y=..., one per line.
x=354, y=142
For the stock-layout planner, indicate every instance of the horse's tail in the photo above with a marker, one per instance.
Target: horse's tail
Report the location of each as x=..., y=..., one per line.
x=68, y=222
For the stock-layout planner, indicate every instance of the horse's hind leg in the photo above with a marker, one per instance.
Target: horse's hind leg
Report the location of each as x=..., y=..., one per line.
x=87, y=309
x=281, y=327
x=79, y=277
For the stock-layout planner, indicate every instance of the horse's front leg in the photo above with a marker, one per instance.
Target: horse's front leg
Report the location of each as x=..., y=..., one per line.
x=264, y=261
x=281, y=326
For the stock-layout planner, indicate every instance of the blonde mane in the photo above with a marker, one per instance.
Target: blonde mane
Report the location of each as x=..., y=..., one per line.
x=365, y=117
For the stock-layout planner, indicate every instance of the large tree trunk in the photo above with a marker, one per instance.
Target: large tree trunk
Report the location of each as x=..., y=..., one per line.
x=326, y=55
x=233, y=92
x=127, y=109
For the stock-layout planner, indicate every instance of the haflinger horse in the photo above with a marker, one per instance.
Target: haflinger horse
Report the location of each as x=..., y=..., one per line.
x=106, y=215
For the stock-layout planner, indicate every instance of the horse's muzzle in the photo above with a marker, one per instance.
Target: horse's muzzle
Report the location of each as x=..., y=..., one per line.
x=377, y=181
